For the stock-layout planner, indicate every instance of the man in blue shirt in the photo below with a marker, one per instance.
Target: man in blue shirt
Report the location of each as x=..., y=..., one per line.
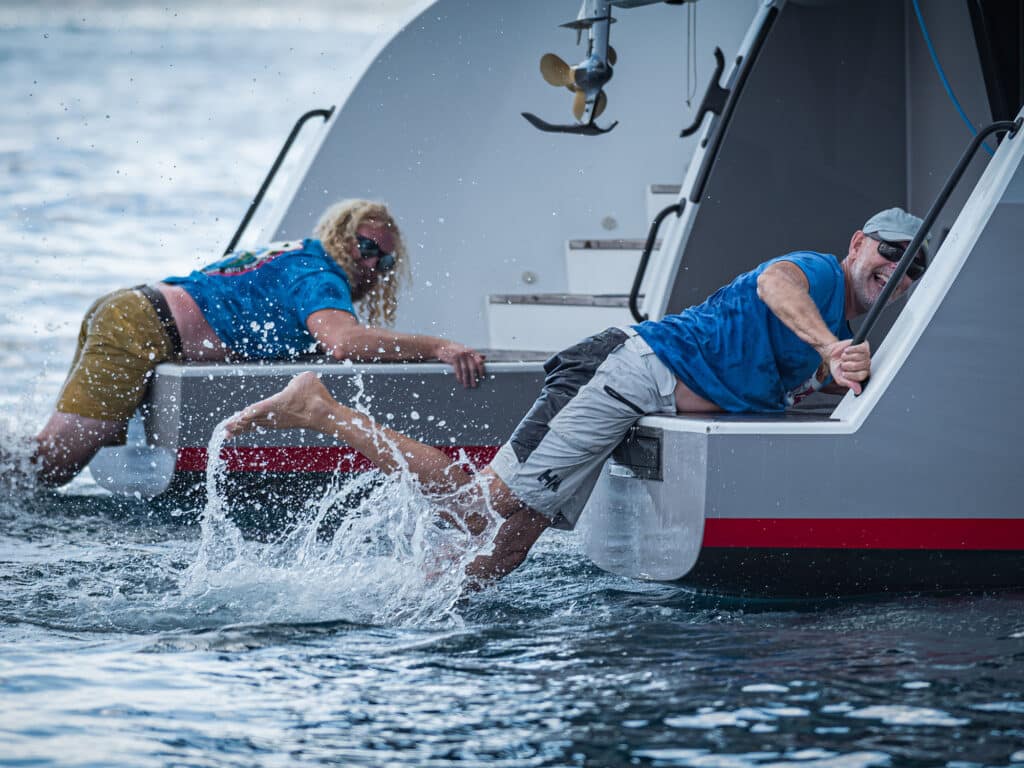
x=272, y=303
x=747, y=348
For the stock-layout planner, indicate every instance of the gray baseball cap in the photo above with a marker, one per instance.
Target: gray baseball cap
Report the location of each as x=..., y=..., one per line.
x=893, y=224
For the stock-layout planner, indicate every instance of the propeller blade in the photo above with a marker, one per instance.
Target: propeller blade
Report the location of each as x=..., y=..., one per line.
x=555, y=71
x=579, y=104
x=612, y=56
x=600, y=104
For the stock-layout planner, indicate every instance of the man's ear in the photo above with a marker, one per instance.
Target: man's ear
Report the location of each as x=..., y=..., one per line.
x=855, y=243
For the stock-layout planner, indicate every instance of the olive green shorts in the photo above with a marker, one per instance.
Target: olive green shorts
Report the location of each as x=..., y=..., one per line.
x=120, y=343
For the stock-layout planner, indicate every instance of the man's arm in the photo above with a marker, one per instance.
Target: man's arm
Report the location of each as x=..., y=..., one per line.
x=784, y=288
x=342, y=337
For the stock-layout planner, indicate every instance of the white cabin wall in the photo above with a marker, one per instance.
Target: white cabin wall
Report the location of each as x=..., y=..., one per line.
x=433, y=128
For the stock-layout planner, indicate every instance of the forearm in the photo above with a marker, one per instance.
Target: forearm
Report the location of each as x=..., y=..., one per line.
x=342, y=337
x=381, y=344
x=792, y=304
x=784, y=288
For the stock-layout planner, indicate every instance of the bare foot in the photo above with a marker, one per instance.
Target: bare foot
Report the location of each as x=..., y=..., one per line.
x=303, y=404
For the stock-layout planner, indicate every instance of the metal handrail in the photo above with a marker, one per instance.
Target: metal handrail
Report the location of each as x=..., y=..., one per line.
x=325, y=114
x=641, y=268
x=908, y=256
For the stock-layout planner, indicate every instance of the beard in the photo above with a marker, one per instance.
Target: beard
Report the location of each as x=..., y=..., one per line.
x=868, y=287
x=866, y=296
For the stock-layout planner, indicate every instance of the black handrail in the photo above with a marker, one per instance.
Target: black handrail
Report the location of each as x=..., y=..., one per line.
x=908, y=256
x=641, y=268
x=325, y=114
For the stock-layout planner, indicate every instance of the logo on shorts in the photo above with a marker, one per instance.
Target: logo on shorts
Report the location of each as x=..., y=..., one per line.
x=550, y=481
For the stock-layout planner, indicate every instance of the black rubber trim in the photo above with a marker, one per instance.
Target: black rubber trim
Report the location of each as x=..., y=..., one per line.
x=730, y=106
x=999, y=35
x=834, y=573
x=714, y=98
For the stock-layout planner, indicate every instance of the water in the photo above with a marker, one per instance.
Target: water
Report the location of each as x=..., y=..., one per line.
x=131, y=139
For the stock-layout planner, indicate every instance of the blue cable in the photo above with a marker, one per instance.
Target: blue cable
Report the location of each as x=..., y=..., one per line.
x=942, y=75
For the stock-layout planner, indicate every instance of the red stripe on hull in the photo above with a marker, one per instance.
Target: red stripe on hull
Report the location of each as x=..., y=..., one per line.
x=310, y=459
x=846, y=533
x=722, y=533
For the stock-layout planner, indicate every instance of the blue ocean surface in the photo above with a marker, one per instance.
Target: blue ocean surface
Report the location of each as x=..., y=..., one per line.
x=132, y=139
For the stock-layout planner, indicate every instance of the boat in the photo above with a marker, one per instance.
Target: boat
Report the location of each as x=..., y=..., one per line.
x=532, y=236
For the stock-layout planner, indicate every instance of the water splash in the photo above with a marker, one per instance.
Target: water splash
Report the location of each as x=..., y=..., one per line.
x=17, y=473
x=391, y=561
x=221, y=545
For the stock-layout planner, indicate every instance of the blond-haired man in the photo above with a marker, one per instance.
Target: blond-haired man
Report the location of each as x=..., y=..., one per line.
x=275, y=302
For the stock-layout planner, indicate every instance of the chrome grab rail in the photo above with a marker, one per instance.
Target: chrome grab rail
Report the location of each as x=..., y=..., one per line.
x=325, y=114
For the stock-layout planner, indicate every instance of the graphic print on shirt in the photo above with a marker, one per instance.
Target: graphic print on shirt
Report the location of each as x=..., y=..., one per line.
x=243, y=261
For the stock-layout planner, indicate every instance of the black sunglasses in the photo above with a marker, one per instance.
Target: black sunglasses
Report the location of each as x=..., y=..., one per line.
x=894, y=252
x=368, y=248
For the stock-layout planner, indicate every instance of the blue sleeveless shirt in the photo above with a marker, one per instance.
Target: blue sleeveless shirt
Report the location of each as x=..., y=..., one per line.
x=734, y=351
x=257, y=301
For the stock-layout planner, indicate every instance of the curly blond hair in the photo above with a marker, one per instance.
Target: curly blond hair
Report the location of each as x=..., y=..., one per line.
x=336, y=230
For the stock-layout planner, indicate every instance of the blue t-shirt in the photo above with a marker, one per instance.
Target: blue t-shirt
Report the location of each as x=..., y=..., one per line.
x=734, y=351
x=257, y=301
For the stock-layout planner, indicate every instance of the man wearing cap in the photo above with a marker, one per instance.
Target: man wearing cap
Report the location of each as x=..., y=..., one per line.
x=740, y=354
x=752, y=346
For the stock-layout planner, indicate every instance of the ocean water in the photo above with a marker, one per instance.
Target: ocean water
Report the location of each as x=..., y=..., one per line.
x=132, y=138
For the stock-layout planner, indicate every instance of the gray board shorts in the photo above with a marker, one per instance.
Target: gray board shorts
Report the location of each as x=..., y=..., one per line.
x=593, y=393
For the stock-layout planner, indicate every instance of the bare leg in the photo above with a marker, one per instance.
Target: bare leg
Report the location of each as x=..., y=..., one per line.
x=306, y=404
x=517, y=534
x=68, y=442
